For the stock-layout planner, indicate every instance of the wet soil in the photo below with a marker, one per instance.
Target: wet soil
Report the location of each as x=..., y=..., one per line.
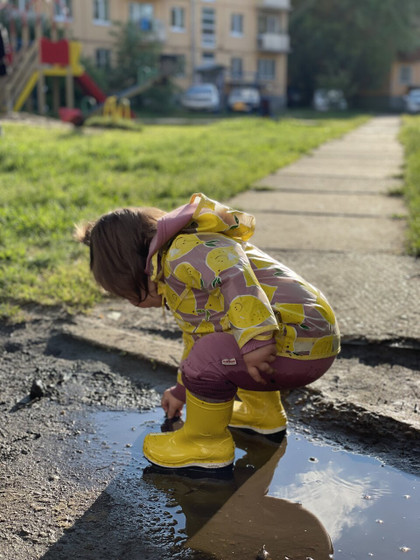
x=47, y=387
x=53, y=469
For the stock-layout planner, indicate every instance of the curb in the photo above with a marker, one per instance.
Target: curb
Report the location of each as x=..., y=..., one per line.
x=165, y=353
x=310, y=403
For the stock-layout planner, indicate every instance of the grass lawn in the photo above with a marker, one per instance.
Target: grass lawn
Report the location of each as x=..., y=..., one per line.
x=52, y=178
x=410, y=137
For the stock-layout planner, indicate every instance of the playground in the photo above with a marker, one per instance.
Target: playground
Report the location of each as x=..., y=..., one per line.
x=32, y=57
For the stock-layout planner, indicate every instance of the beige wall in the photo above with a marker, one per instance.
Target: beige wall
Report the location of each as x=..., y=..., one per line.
x=403, y=76
x=96, y=35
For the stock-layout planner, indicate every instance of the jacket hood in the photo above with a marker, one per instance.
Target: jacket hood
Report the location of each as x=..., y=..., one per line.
x=200, y=215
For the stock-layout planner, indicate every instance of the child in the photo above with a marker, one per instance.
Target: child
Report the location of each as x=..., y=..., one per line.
x=251, y=326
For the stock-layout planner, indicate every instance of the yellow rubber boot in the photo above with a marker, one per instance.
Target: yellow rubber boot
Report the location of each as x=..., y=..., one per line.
x=203, y=441
x=259, y=411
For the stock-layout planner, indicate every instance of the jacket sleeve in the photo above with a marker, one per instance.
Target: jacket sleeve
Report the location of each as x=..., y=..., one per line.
x=233, y=298
x=248, y=313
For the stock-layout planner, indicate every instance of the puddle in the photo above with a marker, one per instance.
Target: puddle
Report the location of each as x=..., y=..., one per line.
x=316, y=492
x=370, y=510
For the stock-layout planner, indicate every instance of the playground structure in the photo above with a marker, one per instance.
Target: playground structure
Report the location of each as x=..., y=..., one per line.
x=117, y=110
x=59, y=59
x=38, y=59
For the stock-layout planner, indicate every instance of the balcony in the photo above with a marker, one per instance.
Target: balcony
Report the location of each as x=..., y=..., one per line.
x=274, y=42
x=283, y=5
x=153, y=29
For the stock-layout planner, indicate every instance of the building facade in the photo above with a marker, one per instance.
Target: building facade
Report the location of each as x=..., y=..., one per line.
x=404, y=75
x=229, y=42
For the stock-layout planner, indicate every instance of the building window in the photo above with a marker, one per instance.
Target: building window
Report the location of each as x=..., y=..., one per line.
x=236, y=67
x=405, y=75
x=208, y=27
x=142, y=14
x=134, y=11
x=177, y=19
x=268, y=23
x=208, y=58
x=237, y=25
x=103, y=58
x=266, y=69
x=63, y=10
x=101, y=11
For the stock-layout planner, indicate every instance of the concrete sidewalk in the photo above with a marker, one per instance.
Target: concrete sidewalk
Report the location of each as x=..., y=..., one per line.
x=329, y=217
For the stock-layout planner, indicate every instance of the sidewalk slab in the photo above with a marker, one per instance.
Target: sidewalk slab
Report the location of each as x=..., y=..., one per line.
x=326, y=233
x=328, y=204
x=360, y=150
x=375, y=296
x=344, y=167
x=285, y=180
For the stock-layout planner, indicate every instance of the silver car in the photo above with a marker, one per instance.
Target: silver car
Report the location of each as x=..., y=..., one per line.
x=412, y=101
x=201, y=97
x=329, y=99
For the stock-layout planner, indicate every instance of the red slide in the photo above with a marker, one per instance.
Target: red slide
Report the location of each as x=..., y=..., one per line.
x=89, y=87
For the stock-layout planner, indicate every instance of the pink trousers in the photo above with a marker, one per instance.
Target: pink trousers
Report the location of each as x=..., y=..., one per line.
x=215, y=369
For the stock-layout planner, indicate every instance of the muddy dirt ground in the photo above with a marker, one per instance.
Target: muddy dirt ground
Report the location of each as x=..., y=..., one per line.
x=48, y=386
x=53, y=474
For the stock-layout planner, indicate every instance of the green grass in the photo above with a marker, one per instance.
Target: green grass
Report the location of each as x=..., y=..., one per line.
x=410, y=137
x=52, y=178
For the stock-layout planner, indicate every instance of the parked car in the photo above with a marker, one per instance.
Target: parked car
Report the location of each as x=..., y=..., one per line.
x=244, y=99
x=201, y=97
x=329, y=99
x=412, y=101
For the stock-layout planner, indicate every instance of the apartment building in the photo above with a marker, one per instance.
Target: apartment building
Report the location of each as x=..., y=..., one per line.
x=404, y=75
x=228, y=42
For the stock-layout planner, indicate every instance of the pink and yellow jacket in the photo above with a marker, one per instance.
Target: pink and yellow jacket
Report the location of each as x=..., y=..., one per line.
x=212, y=279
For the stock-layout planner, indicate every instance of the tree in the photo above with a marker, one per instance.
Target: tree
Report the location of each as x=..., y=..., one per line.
x=137, y=53
x=349, y=44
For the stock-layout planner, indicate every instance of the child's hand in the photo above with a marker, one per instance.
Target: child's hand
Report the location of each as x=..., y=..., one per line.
x=171, y=405
x=259, y=360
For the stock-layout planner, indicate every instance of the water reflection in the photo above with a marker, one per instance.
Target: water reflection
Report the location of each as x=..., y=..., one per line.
x=250, y=518
x=358, y=499
x=335, y=499
x=366, y=507
x=236, y=518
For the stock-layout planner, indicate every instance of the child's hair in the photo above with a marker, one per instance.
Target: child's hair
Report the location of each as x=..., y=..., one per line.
x=119, y=244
